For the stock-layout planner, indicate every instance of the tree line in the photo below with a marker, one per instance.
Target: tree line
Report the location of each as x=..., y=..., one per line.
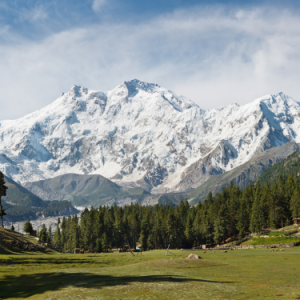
x=231, y=213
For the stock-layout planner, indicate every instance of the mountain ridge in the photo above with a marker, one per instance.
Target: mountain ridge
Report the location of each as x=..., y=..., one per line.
x=83, y=189
x=141, y=134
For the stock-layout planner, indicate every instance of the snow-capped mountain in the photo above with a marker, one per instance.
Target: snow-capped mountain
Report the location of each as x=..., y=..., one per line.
x=142, y=134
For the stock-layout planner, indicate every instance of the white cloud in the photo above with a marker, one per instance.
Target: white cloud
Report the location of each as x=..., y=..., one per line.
x=37, y=13
x=210, y=56
x=98, y=5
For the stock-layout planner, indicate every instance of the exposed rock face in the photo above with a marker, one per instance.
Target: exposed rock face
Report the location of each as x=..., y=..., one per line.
x=245, y=173
x=142, y=134
x=200, y=171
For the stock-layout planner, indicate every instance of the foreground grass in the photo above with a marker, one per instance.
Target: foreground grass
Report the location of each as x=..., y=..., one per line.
x=239, y=274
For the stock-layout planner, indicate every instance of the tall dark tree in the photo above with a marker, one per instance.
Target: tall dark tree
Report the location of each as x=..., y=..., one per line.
x=44, y=234
x=295, y=204
x=257, y=213
x=27, y=227
x=3, y=189
x=56, y=241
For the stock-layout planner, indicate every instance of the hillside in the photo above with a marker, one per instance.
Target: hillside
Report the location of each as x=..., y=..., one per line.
x=247, y=172
x=21, y=204
x=52, y=208
x=18, y=195
x=287, y=167
x=13, y=242
x=83, y=189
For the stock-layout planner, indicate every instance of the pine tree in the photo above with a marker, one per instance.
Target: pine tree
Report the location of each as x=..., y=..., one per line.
x=63, y=233
x=144, y=233
x=57, y=237
x=49, y=235
x=98, y=245
x=104, y=242
x=219, y=229
x=27, y=227
x=75, y=231
x=295, y=204
x=118, y=236
x=257, y=213
x=188, y=232
x=134, y=225
x=43, y=234
x=3, y=189
x=242, y=217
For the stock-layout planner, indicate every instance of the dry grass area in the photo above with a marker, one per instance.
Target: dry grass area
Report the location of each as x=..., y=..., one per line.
x=239, y=274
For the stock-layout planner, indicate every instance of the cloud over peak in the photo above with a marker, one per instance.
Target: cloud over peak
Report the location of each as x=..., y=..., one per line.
x=211, y=55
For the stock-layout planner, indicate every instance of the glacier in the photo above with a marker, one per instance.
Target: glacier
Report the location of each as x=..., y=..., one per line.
x=141, y=134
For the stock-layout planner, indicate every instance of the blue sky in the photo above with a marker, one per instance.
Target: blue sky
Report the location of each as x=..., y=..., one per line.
x=214, y=52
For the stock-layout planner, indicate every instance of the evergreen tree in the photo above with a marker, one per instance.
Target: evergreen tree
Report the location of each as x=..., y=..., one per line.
x=134, y=225
x=295, y=204
x=219, y=225
x=257, y=213
x=3, y=189
x=188, y=232
x=98, y=245
x=63, y=233
x=242, y=218
x=49, y=235
x=27, y=227
x=144, y=233
x=44, y=234
x=56, y=241
x=104, y=242
x=219, y=229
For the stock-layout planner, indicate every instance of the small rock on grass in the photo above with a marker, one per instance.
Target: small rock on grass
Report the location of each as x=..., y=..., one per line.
x=193, y=256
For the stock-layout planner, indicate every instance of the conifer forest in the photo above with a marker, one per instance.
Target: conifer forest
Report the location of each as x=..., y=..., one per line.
x=232, y=213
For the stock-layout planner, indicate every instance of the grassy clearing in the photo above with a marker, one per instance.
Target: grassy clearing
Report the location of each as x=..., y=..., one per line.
x=239, y=274
x=271, y=240
x=280, y=233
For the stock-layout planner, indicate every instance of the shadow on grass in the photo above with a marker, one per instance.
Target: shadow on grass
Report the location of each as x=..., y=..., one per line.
x=13, y=260
x=4, y=250
x=28, y=285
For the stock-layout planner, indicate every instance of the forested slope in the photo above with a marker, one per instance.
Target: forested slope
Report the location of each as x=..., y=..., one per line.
x=231, y=213
x=18, y=195
x=287, y=167
x=244, y=174
x=21, y=204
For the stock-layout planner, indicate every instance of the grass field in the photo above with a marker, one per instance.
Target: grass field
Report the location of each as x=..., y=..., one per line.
x=239, y=274
x=271, y=240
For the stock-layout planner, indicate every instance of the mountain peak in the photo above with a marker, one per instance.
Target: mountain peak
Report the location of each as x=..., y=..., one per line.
x=135, y=85
x=77, y=91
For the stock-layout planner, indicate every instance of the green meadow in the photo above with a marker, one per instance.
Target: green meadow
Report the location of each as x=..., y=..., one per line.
x=239, y=274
